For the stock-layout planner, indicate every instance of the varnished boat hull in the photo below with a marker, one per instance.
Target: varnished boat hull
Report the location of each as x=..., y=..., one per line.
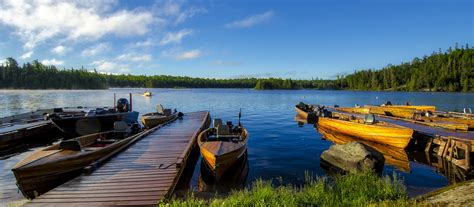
x=397, y=137
x=152, y=121
x=392, y=111
x=417, y=108
x=220, y=164
x=393, y=156
x=37, y=179
x=220, y=155
x=360, y=110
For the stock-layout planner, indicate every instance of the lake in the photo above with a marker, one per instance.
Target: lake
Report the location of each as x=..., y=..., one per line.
x=279, y=148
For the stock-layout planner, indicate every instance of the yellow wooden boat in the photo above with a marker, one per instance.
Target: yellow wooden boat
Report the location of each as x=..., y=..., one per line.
x=377, y=131
x=147, y=93
x=417, y=108
x=222, y=145
x=451, y=123
x=407, y=113
x=162, y=116
x=357, y=110
x=393, y=156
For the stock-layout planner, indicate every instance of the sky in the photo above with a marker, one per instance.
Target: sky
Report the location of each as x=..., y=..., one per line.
x=299, y=39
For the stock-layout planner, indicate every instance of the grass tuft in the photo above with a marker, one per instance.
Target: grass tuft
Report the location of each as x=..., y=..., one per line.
x=365, y=189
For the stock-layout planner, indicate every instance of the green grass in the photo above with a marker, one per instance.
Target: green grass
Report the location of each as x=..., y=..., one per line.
x=346, y=190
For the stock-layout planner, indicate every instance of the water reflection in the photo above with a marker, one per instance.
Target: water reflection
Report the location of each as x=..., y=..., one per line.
x=234, y=178
x=393, y=156
x=453, y=173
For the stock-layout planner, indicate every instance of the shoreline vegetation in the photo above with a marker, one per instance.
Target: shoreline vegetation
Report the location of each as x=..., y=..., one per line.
x=362, y=189
x=452, y=71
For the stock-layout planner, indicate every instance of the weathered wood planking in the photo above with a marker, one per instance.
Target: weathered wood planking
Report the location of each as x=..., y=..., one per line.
x=141, y=175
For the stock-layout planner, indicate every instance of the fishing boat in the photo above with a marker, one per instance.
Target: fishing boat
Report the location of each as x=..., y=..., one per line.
x=161, y=116
x=357, y=110
x=234, y=178
x=221, y=145
x=369, y=129
x=306, y=111
x=49, y=167
x=78, y=123
x=147, y=93
x=393, y=156
x=15, y=130
x=407, y=113
x=415, y=107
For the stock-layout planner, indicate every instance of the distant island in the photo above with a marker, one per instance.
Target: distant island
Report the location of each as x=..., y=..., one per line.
x=451, y=70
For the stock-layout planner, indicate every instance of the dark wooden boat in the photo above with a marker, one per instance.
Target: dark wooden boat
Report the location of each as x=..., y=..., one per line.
x=79, y=123
x=161, y=116
x=51, y=166
x=19, y=128
x=222, y=145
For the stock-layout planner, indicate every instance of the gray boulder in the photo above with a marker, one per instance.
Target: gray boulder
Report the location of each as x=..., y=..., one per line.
x=354, y=157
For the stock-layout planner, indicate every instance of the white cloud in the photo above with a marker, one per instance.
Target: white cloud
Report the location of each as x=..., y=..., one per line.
x=110, y=67
x=226, y=63
x=135, y=57
x=52, y=62
x=175, y=37
x=251, y=20
x=96, y=49
x=174, y=11
x=191, y=54
x=179, y=54
x=27, y=55
x=143, y=44
x=38, y=21
x=60, y=50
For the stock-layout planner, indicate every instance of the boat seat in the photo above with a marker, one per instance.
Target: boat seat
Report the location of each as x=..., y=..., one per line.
x=369, y=119
x=223, y=130
x=73, y=145
x=159, y=108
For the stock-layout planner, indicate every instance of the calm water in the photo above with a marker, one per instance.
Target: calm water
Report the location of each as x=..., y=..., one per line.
x=278, y=146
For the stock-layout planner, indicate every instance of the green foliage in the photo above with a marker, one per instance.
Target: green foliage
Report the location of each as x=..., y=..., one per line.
x=452, y=70
x=347, y=190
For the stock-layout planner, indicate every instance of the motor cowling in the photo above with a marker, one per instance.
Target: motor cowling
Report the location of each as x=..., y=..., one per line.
x=123, y=105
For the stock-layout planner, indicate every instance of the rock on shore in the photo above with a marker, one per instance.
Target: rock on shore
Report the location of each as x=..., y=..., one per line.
x=354, y=157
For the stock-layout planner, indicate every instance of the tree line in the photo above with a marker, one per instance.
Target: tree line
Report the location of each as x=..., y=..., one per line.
x=451, y=70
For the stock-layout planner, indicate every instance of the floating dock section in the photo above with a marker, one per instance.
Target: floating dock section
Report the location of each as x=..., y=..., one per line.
x=142, y=174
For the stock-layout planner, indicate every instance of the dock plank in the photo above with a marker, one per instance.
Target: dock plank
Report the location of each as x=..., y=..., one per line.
x=143, y=174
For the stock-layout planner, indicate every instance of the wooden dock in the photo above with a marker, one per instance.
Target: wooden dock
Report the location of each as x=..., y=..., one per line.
x=142, y=174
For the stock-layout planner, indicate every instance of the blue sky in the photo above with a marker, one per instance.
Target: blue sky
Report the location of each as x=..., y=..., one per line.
x=230, y=39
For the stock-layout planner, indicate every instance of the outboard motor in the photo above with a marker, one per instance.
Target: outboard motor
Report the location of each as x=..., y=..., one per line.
x=123, y=105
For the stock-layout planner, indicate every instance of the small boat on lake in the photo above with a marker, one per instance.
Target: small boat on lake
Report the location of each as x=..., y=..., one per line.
x=49, y=167
x=306, y=111
x=89, y=121
x=147, y=94
x=369, y=129
x=221, y=145
x=161, y=116
x=407, y=113
x=16, y=129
